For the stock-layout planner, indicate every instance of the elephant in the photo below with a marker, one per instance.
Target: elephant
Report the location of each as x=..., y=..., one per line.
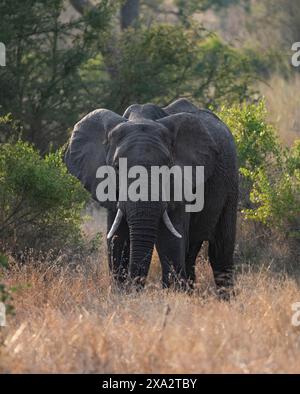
x=148, y=135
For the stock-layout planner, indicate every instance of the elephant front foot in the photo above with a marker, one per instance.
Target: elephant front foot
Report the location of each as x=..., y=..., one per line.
x=225, y=287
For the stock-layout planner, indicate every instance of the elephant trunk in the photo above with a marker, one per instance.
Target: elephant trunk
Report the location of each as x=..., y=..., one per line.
x=143, y=220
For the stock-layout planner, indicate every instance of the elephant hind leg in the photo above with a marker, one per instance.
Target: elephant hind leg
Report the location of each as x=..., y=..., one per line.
x=221, y=250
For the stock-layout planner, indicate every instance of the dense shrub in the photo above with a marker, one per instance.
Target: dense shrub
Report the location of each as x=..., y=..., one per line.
x=163, y=62
x=60, y=68
x=255, y=137
x=270, y=173
x=10, y=130
x=276, y=192
x=40, y=202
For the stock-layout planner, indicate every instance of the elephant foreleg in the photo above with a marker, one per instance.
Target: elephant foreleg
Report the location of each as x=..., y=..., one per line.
x=171, y=251
x=172, y=262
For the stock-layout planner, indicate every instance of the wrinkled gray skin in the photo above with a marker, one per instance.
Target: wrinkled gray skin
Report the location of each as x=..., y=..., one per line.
x=149, y=135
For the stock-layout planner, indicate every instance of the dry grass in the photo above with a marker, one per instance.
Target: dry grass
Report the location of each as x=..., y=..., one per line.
x=70, y=320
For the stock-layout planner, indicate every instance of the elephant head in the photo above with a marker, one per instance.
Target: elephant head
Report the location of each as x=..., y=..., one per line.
x=148, y=136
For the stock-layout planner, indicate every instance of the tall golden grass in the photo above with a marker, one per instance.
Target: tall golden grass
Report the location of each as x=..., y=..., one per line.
x=71, y=319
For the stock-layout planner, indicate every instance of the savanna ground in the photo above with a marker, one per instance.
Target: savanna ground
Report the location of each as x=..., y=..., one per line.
x=71, y=319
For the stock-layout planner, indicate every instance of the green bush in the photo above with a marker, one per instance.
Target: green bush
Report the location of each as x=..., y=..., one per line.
x=40, y=202
x=270, y=173
x=220, y=73
x=276, y=192
x=163, y=62
x=40, y=84
x=10, y=130
x=255, y=137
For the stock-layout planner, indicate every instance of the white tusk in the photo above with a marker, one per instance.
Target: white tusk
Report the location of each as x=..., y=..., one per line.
x=115, y=224
x=170, y=226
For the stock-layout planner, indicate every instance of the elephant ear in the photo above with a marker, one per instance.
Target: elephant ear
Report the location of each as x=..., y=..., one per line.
x=192, y=144
x=86, y=151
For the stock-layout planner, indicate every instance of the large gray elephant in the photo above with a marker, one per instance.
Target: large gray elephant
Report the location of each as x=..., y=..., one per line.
x=148, y=135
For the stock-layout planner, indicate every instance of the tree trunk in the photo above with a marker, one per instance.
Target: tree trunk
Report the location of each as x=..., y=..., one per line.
x=129, y=13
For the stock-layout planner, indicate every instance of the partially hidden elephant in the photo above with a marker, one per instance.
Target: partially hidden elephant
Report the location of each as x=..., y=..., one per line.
x=148, y=135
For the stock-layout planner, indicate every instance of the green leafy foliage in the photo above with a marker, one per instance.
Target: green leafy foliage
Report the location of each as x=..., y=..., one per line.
x=58, y=68
x=276, y=192
x=40, y=202
x=221, y=73
x=255, y=137
x=271, y=172
x=165, y=61
x=40, y=83
x=153, y=65
x=10, y=130
x=277, y=199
